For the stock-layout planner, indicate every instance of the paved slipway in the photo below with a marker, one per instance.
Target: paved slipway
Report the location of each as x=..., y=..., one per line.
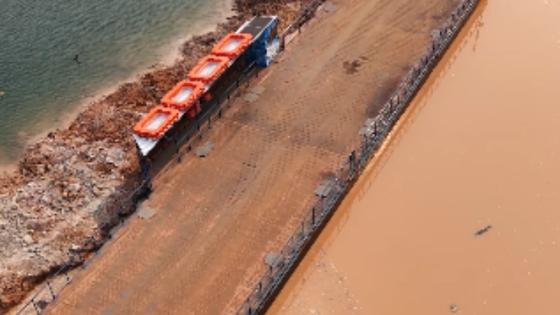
x=216, y=218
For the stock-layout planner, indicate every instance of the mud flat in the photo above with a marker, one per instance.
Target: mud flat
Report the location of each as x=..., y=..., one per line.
x=72, y=186
x=460, y=213
x=216, y=219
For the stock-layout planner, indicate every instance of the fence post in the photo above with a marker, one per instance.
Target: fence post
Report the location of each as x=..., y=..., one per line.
x=37, y=310
x=282, y=42
x=177, y=149
x=313, y=216
x=51, y=290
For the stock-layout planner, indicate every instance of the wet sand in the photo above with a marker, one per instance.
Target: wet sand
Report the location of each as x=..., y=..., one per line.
x=478, y=148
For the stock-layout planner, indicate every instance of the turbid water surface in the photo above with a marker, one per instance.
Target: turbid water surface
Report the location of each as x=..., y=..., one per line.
x=461, y=213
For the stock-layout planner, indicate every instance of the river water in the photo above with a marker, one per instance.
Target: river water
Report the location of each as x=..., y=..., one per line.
x=114, y=39
x=479, y=148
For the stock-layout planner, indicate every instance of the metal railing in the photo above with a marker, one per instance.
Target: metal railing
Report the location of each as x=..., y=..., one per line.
x=375, y=131
x=279, y=267
x=203, y=122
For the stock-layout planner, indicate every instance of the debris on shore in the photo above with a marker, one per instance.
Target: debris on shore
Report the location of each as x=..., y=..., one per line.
x=60, y=203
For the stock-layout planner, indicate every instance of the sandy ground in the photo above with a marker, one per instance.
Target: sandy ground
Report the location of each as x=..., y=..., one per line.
x=216, y=218
x=459, y=215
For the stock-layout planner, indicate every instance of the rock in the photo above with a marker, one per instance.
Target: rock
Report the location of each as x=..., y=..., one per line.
x=28, y=239
x=33, y=225
x=115, y=156
x=86, y=163
x=146, y=213
x=204, y=150
x=454, y=308
x=271, y=259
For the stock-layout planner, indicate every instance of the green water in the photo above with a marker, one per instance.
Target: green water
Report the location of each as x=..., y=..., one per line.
x=114, y=39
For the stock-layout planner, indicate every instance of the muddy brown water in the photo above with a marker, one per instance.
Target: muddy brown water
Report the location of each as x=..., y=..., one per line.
x=479, y=147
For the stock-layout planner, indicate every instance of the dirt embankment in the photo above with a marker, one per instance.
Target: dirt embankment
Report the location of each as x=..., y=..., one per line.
x=59, y=203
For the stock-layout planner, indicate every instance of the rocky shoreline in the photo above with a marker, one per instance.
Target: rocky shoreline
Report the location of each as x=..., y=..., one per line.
x=69, y=187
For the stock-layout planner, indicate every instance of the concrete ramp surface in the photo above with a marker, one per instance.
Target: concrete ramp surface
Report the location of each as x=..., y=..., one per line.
x=219, y=217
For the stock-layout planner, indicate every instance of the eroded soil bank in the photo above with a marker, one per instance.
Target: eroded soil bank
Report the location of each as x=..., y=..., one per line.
x=460, y=213
x=68, y=188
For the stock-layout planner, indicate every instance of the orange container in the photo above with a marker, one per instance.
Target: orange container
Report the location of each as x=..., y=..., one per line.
x=156, y=122
x=183, y=96
x=208, y=69
x=232, y=45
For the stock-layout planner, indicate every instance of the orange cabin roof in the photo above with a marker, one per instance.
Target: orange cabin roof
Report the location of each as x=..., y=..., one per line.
x=232, y=45
x=156, y=123
x=183, y=95
x=208, y=69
